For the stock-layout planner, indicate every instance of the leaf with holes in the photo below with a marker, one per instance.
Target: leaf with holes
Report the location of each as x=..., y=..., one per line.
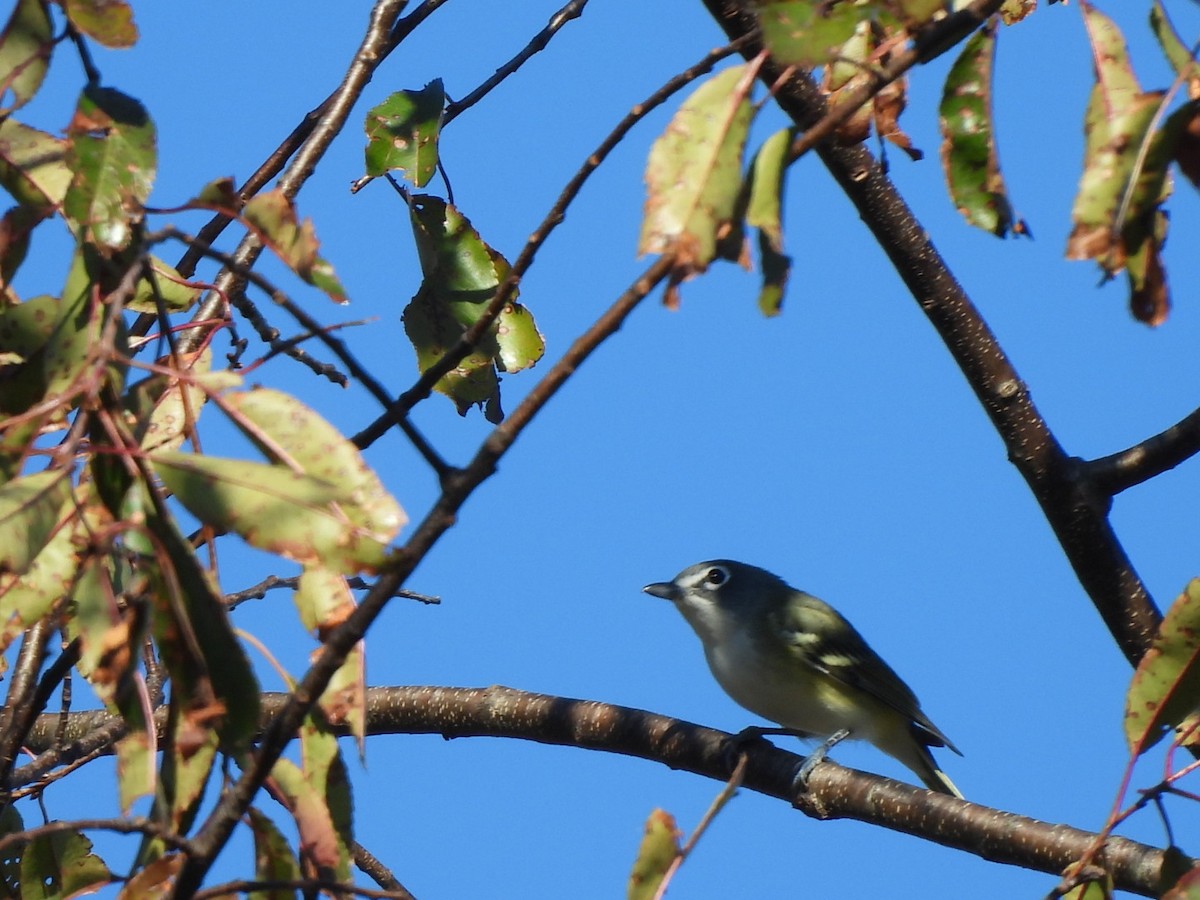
x=969, y=157
x=113, y=157
x=461, y=275
x=402, y=133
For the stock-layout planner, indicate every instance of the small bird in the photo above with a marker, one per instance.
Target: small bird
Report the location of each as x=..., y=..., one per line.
x=791, y=658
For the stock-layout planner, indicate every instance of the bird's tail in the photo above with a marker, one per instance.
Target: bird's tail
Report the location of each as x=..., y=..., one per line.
x=923, y=764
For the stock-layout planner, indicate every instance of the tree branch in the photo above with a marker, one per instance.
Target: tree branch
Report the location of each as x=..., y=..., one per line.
x=833, y=792
x=1071, y=505
x=1141, y=462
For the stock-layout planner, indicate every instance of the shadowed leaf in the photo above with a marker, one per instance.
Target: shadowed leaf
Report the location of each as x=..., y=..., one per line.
x=969, y=155
x=112, y=153
x=61, y=865
x=461, y=275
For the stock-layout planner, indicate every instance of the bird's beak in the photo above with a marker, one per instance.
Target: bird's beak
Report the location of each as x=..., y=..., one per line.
x=668, y=590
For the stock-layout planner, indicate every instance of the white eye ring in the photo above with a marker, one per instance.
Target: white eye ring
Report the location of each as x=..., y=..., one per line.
x=715, y=577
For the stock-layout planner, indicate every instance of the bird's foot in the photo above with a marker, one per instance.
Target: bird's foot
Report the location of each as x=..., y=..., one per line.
x=814, y=759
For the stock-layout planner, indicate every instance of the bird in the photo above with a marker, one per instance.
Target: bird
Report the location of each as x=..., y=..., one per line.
x=789, y=657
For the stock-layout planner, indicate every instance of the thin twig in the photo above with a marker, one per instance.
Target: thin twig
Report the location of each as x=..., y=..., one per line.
x=370, y=865
x=572, y=10
x=726, y=794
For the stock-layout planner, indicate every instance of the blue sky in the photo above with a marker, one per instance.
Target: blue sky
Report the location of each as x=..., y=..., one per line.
x=836, y=445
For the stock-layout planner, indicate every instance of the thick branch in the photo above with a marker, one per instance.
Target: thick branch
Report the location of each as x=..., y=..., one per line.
x=1074, y=510
x=833, y=791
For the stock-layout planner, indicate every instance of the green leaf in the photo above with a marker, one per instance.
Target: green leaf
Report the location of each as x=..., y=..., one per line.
x=969, y=155
x=29, y=511
x=1166, y=686
x=1176, y=51
x=208, y=668
x=281, y=422
x=461, y=275
x=1107, y=171
x=273, y=858
x=75, y=343
x=163, y=408
x=187, y=765
x=804, y=33
x=173, y=291
x=112, y=153
x=273, y=216
x=318, y=796
x=402, y=133
x=694, y=173
x=324, y=601
x=31, y=596
x=272, y=508
x=10, y=857
x=1115, y=78
x=659, y=847
x=766, y=186
x=776, y=269
x=61, y=865
x=24, y=331
x=25, y=47
x=33, y=165
x=108, y=22
x=135, y=769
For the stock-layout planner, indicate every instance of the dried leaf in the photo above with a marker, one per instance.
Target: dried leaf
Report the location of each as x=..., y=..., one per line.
x=108, y=22
x=694, y=173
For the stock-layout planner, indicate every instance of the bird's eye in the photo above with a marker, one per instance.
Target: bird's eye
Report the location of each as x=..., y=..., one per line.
x=716, y=576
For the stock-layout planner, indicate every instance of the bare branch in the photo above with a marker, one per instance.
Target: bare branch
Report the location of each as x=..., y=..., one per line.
x=1157, y=454
x=833, y=791
x=572, y=10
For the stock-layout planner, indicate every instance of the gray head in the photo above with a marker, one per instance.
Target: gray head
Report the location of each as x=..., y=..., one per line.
x=708, y=592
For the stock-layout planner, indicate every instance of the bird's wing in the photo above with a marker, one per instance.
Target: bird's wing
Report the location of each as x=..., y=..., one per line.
x=817, y=634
